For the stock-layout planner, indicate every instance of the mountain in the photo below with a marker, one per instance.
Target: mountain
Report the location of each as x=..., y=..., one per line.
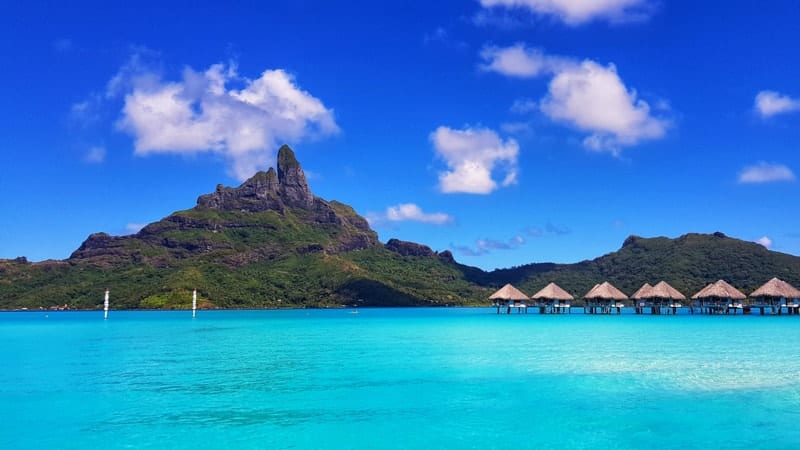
x=271, y=243
x=688, y=263
x=267, y=243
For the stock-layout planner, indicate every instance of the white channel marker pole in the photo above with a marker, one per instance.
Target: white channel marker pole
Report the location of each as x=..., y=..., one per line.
x=105, y=306
x=194, y=303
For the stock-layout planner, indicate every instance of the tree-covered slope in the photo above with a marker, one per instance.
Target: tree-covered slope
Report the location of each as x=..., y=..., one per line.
x=688, y=263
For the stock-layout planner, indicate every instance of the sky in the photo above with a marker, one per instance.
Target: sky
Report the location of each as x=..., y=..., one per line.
x=506, y=131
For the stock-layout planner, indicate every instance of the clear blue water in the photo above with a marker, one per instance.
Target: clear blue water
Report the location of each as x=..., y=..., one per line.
x=397, y=378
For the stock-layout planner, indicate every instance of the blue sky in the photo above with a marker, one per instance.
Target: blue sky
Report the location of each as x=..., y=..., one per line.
x=507, y=131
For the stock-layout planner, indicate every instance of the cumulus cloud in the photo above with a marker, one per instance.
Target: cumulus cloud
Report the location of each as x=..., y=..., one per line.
x=593, y=98
x=474, y=156
x=203, y=112
x=585, y=95
x=765, y=241
x=412, y=212
x=577, y=12
x=409, y=212
x=520, y=61
x=95, y=155
x=770, y=103
x=484, y=246
x=764, y=172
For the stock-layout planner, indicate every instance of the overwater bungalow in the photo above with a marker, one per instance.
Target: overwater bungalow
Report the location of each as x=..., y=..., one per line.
x=719, y=298
x=776, y=294
x=509, y=297
x=604, y=298
x=643, y=298
x=659, y=298
x=668, y=297
x=553, y=299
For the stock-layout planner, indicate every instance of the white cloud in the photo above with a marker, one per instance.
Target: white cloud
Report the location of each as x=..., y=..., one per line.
x=408, y=212
x=133, y=228
x=201, y=113
x=95, y=155
x=585, y=95
x=411, y=212
x=764, y=172
x=520, y=61
x=770, y=103
x=576, y=12
x=765, y=241
x=473, y=155
x=593, y=98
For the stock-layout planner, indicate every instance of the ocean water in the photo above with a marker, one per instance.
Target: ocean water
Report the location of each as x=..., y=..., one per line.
x=397, y=378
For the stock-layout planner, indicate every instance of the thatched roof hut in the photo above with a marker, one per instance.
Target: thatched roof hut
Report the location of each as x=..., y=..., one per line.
x=644, y=292
x=605, y=291
x=509, y=293
x=701, y=293
x=553, y=292
x=720, y=289
x=776, y=288
x=665, y=291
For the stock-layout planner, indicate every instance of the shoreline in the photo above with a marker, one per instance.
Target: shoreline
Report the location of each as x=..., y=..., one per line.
x=579, y=311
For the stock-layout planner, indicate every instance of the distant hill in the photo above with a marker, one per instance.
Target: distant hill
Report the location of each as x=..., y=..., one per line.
x=688, y=263
x=271, y=243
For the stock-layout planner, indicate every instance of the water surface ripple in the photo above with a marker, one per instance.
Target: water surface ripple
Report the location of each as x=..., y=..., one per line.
x=397, y=378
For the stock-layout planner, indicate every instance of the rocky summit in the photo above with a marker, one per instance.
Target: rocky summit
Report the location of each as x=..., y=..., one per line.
x=270, y=190
x=253, y=208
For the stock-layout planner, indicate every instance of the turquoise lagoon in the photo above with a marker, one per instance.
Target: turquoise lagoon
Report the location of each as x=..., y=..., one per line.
x=397, y=378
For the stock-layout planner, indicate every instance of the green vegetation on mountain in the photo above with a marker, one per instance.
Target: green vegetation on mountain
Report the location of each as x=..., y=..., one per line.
x=271, y=243
x=267, y=243
x=688, y=263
